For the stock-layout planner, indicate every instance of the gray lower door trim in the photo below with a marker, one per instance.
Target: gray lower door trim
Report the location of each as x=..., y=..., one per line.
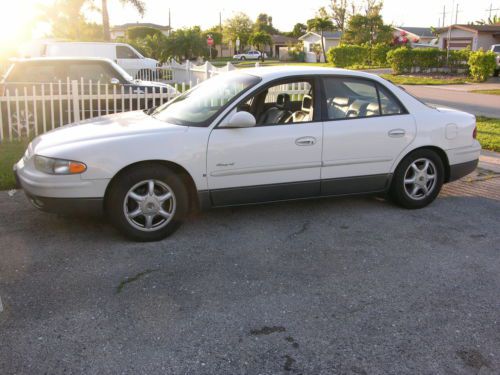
x=296, y=190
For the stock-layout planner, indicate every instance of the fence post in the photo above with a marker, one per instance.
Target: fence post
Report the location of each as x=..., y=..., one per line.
x=207, y=71
x=188, y=70
x=76, y=100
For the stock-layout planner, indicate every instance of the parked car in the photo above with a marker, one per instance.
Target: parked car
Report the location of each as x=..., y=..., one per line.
x=246, y=137
x=37, y=73
x=249, y=55
x=123, y=54
x=495, y=48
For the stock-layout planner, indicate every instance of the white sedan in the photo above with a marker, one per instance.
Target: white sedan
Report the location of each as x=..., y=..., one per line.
x=251, y=136
x=249, y=55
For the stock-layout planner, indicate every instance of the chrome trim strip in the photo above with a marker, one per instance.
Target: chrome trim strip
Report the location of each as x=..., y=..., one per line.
x=353, y=161
x=276, y=168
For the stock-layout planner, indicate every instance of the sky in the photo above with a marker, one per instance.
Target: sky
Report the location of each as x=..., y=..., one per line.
x=17, y=14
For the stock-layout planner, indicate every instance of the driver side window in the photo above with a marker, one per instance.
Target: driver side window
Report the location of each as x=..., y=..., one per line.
x=283, y=103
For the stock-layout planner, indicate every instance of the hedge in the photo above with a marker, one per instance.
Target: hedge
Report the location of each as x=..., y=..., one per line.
x=352, y=54
x=407, y=60
x=481, y=65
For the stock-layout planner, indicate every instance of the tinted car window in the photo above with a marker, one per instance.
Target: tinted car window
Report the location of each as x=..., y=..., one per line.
x=34, y=73
x=350, y=98
x=388, y=103
x=124, y=52
x=496, y=49
x=90, y=71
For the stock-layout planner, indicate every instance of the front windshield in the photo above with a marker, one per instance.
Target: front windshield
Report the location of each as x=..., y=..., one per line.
x=123, y=72
x=198, y=107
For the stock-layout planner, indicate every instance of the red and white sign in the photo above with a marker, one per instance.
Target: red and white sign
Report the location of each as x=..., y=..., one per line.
x=210, y=41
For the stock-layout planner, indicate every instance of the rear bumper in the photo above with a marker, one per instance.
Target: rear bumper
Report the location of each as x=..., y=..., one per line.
x=463, y=169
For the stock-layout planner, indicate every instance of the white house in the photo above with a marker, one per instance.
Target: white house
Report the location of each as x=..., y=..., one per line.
x=312, y=43
x=475, y=36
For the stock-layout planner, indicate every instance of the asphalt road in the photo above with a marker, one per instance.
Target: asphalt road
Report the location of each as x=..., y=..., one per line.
x=338, y=286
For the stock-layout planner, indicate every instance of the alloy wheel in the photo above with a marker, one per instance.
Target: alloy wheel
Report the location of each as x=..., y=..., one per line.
x=420, y=179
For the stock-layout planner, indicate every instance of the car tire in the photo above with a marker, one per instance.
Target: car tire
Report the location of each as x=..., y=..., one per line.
x=418, y=179
x=243, y=58
x=147, y=203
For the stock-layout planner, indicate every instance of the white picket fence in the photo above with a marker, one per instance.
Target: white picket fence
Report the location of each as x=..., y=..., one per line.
x=40, y=107
x=174, y=72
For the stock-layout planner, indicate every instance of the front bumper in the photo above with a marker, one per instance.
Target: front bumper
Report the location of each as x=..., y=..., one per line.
x=57, y=197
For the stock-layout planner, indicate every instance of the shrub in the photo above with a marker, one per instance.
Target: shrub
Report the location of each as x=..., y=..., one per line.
x=379, y=53
x=348, y=55
x=400, y=60
x=481, y=65
x=141, y=32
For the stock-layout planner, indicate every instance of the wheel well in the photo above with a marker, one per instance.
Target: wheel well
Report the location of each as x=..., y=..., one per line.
x=443, y=157
x=176, y=168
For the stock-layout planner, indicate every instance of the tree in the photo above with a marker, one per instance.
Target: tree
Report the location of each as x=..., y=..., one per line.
x=238, y=26
x=187, y=43
x=367, y=29
x=260, y=39
x=138, y=4
x=320, y=24
x=264, y=23
x=298, y=30
x=495, y=20
x=68, y=22
x=340, y=12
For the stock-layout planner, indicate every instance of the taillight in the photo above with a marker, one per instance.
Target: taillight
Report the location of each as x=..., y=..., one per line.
x=474, y=133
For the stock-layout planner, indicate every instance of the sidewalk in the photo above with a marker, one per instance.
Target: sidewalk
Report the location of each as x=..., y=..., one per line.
x=490, y=161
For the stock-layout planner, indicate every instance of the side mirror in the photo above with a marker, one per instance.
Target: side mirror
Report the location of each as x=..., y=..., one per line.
x=240, y=119
x=115, y=81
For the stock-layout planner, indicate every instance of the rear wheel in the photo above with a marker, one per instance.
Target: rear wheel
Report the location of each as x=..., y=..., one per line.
x=147, y=203
x=418, y=179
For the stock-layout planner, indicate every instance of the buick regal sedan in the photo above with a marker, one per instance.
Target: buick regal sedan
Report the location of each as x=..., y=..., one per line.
x=251, y=136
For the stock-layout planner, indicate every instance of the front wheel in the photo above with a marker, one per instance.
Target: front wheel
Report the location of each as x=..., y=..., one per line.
x=147, y=203
x=418, y=179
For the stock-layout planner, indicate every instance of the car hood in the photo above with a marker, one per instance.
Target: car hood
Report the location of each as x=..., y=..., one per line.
x=111, y=127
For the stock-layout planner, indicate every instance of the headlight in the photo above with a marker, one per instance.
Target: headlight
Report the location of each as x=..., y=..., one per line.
x=58, y=166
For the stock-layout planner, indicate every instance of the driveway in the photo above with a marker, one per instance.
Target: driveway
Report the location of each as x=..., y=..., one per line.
x=350, y=286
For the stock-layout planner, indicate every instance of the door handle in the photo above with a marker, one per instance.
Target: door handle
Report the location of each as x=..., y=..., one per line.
x=305, y=141
x=396, y=133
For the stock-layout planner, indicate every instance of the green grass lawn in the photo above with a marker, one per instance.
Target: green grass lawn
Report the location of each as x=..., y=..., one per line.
x=422, y=80
x=488, y=133
x=10, y=153
x=489, y=92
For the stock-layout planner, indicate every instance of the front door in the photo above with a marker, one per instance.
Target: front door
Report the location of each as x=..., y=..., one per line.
x=365, y=130
x=279, y=158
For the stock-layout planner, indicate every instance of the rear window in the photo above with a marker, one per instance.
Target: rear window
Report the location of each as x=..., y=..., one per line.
x=33, y=73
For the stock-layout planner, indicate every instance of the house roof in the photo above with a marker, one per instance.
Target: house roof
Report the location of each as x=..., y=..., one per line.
x=127, y=26
x=282, y=39
x=326, y=34
x=419, y=31
x=473, y=28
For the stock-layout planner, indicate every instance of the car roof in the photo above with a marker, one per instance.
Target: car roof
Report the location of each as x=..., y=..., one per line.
x=275, y=72
x=52, y=59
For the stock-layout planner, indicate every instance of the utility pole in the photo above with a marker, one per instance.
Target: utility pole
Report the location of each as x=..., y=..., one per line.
x=491, y=10
x=169, y=22
x=449, y=36
x=444, y=13
x=456, y=15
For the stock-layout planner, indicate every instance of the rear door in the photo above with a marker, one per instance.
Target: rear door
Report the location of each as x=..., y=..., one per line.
x=365, y=129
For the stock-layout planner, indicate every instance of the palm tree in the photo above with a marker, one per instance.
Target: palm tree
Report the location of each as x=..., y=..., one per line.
x=495, y=20
x=138, y=4
x=321, y=23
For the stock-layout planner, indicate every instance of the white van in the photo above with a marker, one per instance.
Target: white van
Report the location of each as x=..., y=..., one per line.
x=123, y=54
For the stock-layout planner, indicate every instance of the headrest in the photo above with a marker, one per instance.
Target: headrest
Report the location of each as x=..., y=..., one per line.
x=307, y=103
x=372, y=107
x=283, y=101
x=340, y=101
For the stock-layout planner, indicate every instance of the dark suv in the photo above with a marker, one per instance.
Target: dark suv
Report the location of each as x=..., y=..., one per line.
x=97, y=78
